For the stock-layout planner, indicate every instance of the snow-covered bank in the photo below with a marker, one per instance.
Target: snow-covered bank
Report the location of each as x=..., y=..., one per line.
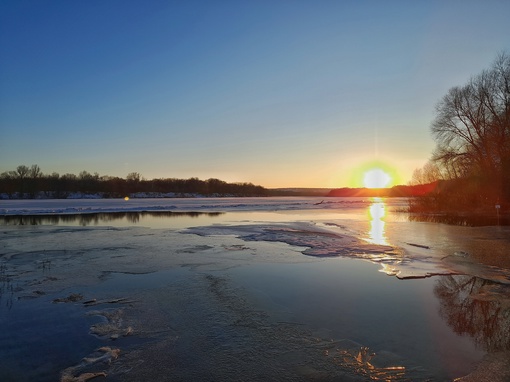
x=104, y=195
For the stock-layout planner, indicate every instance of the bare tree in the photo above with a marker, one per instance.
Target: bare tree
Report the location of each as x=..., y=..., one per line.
x=34, y=172
x=133, y=177
x=472, y=126
x=22, y=171
x=429, y=173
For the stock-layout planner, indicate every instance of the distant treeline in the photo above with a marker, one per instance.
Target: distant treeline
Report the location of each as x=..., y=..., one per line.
x=396, y=191
x=31, y=182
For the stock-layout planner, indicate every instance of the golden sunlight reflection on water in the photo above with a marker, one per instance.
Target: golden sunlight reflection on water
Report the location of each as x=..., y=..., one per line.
x=377, y=212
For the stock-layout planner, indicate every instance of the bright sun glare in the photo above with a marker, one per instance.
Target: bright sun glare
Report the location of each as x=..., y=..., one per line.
x=376, y=178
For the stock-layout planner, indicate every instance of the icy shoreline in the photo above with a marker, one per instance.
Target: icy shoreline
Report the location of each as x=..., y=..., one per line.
x=210, y=204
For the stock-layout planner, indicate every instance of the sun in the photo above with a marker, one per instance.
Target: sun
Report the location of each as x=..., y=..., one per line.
x=376, y=178
x=374, y=174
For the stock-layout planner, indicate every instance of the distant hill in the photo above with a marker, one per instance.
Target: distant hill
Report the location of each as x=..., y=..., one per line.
x=396, y=191
x=296, y=191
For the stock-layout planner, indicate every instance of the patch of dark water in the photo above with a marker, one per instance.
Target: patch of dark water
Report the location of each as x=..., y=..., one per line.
x=334, y=318
x=39, y=338
x=86, y=219
x=45, y=335
x=214, y=332
x=344, y=299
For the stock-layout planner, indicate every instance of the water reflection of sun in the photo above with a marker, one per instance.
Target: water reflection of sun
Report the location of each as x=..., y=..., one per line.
x=377, y=212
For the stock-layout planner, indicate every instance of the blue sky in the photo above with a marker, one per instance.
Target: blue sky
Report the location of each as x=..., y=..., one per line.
x=278, y=93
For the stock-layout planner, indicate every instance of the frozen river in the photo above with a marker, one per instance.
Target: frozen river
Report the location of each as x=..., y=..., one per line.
x=211, y=289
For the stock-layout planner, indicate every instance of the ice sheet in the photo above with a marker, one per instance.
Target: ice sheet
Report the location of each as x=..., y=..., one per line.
x=404, y=259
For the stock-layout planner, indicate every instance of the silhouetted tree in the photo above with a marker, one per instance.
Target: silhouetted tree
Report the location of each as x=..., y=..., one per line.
x=429, y=173
x=471, y=160
x=52, y=185
x=133, y=182
x=133, y=177
x=22, y=171
x=8, y=183
x=472, y=131
x=34, y=172
x=33, y=180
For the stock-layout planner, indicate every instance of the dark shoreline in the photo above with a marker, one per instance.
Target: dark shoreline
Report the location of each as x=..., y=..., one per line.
x=474, y=219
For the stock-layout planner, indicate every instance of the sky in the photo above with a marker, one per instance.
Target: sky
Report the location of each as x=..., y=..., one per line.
x=276, y=93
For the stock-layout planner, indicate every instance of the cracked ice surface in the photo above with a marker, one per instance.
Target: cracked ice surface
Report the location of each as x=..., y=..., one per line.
x=404, y=258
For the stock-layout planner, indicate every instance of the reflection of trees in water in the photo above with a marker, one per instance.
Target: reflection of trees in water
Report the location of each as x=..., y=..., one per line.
x=6, y=287
x=96, y=218
x=478, y=308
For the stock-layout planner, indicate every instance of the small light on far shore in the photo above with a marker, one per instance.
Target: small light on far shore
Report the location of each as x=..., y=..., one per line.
x=126, y=198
